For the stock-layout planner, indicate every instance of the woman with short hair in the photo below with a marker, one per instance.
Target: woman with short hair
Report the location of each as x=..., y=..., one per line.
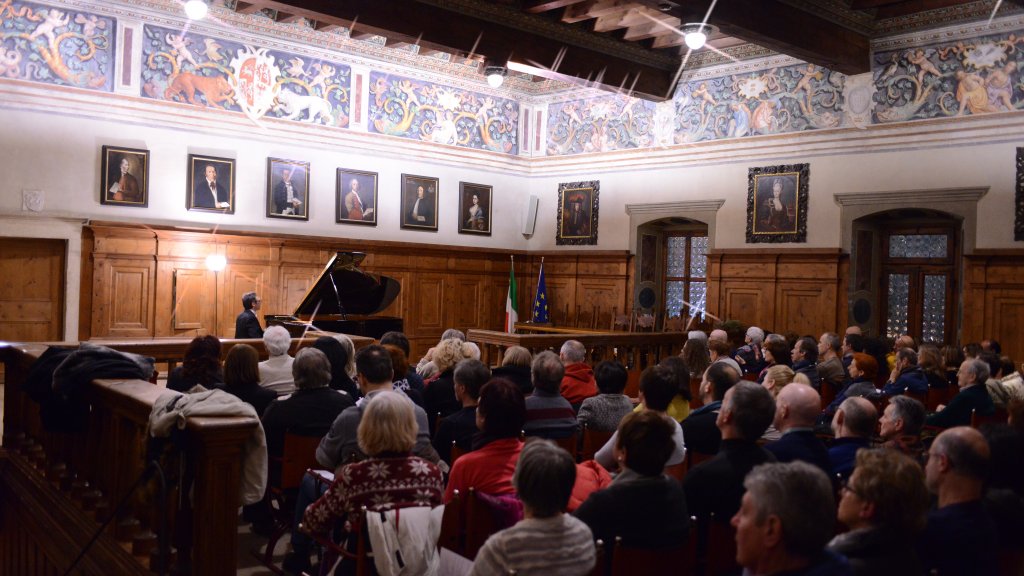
x=276, y=371
x=242, y=377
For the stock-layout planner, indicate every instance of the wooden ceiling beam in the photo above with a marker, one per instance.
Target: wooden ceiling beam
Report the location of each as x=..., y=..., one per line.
x=869, y=4
x=596, y=9
x=616, y=64
x=286, y=18
x=785, y=29
x=248, y=7
x=539, y=6
x=914, y=6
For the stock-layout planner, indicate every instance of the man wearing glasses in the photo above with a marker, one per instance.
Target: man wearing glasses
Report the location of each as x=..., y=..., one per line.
x=247, y=324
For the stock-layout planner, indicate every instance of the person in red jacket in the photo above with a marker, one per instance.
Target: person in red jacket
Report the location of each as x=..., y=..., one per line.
x=578, y=384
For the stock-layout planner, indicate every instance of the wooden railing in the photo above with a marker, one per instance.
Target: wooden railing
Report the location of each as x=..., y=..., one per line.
x=70, y=483
x=636, y=350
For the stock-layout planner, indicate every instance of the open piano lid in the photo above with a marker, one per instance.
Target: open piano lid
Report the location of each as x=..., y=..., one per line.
x=342, y=288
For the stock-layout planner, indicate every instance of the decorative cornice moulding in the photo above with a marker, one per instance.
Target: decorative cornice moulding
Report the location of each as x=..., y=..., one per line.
x=914, y=197
x=686, y=206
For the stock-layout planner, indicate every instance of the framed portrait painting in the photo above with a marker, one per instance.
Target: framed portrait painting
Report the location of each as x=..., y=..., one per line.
x=577, y=213
x=1018, y=221
x=287, y=189
x=419, y=202
x=211, y=184
x=125, y=177
x=777, y=203
x=356, y=197
x=475, y=208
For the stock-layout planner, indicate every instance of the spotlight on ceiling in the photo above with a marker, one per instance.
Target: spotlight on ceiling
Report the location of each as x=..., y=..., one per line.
x=196, y=9
x=695, y=35
x=495, y=75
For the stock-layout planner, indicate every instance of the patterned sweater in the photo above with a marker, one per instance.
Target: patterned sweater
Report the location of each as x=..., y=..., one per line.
x=604, y=411
x=379, y=483
x=557, y=546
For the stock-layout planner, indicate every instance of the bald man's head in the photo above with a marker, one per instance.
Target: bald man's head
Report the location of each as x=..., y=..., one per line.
x=856, y=418
x=719, y=334
x=853, y=330
x=797, y=406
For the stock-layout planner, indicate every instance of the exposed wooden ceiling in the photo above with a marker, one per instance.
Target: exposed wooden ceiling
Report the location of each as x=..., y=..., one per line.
x=617, y=45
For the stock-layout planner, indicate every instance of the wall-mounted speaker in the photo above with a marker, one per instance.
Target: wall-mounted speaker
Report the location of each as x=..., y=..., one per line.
x=530, y=215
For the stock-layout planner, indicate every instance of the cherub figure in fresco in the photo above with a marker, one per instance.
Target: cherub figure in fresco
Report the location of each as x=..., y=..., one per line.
x=180, y=45
x=54, y=19
x=296, y=68
x=999, y=86
x=446, y=132
x=572, y=110
x=924, y=66
x=763, y=118
x=804, y=85
x=324, y=73
x=972, y=94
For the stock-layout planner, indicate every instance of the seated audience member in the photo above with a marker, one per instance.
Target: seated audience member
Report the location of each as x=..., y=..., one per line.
x=830, y=363
x=644, y=507
x=884, y=505
x=906, y=375
x=391, y=477
x=852, y=344
x=500, y=415
x=679, y=408
x=515, y=366
x=960, y=537
x=1000, y=395
x=796, y=408
x=972, y=350
x=548, y=415
x=719, y=352
x=373, y=370
x=775, y=379
x=578, y=382
x=657, y=388
x=776, y=351
x=439, y=396
x=604, y=411
x=338, y=357
x=426, y=364
x=900, y=426
x=460, y=427
x=310, y=410
x=199, y=367
x=718, y=335
x=1011, y=379
x=276, y=371
x=716, y=486
x=400, y=367
x=546, y=540
x=411, y=380
x=929, y=358
x=805, y=360
x=786, y=518
x=903, y=341
x=1004, y=496
x=695, y=351
x=863, y=369
x=973, y=396
x=242, y=377
x=952, y=358
x=699, y=427
x=853, y=426
x=990, y=345
x=749, y=356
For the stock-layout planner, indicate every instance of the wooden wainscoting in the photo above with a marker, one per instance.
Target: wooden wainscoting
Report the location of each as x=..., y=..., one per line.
x=32, y=289
x=993, y=299
x=152, y=282
x=801, y=291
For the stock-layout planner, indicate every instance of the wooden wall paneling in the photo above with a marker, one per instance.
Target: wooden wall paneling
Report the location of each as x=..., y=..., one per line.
x=86, y=286
x=803, y=308
x=426, y=314
x=32, y=289
x=127, y=294
x=294, y=282
x=191, y=309
x=993, y=299
x=467, y=303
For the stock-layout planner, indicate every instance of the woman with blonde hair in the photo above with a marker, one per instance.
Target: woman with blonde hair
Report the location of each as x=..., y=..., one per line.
x=391, y=477
x=515, y=366
x=439, y=396
x=775, y=378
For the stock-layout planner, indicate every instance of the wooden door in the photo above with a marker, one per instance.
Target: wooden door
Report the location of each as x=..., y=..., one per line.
x=32, y=289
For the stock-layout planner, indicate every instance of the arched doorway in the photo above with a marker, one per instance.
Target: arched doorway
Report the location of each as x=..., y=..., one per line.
x=905, y=274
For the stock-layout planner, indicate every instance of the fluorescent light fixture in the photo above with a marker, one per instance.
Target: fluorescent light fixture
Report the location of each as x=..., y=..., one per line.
x=495, y=75
x=216, y=262
x=196, y=9
x=695, y=35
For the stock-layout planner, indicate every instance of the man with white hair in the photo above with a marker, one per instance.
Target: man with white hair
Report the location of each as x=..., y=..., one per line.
x=276, y=371
x=578, y=383
x=749, y=355
x=973, y=397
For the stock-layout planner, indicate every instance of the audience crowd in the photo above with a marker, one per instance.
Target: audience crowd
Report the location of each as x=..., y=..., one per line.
x=828, y=455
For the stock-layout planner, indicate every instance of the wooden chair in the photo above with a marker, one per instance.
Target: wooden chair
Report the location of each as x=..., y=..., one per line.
x=921, y=397
x=721, y=551
x=593, y=440
x=695, y=399
x=695, y=458
x=362, y=557
x=568, y=444
x=298, y=455
x=457, y=452
x=936, y=397
x=467, y=523
x=644, y=322
x=677, y=471
x=621, y=322
x=999, y=416
x=629, y=561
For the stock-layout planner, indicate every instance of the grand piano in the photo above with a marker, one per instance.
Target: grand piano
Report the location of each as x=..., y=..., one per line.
x=344, y=299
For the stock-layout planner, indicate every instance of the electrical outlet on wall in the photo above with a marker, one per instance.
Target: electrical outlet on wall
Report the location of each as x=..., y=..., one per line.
x=32, y=200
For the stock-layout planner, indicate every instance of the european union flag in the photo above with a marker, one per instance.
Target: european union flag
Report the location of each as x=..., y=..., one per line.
x=540, y=301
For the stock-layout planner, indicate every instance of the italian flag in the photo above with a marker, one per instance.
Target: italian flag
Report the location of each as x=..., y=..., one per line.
x=511, y=315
